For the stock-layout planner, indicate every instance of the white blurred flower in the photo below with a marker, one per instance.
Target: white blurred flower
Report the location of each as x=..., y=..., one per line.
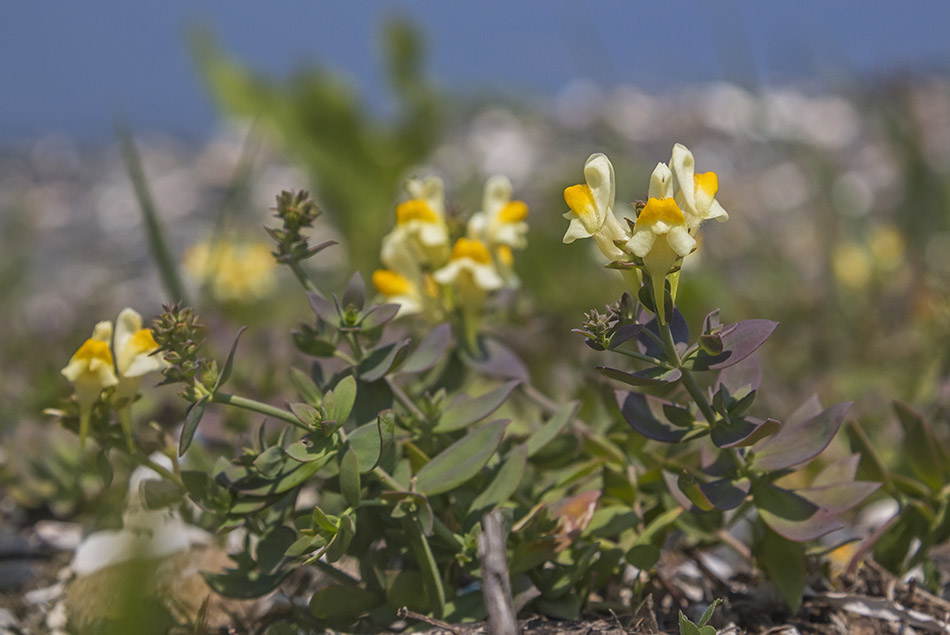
x=502, y=220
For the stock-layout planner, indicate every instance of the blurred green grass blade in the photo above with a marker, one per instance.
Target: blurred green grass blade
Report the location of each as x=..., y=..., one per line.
x=167, y=266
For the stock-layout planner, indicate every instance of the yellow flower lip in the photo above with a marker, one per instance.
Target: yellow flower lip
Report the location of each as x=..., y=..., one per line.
x=415, y=209
x=469, y=248
x=390, y=283
x=513, y=212
x=663, y=210
x=143, y=341
x=94, y=350
x=708, y=183
x=581, y=201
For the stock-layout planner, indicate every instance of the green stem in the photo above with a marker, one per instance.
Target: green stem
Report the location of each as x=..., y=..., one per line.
x=145, y=461
x=404, y=399
x=689, y=382
x=257, y=406
x=302, y=276
x=337, y=574
x=641, y=357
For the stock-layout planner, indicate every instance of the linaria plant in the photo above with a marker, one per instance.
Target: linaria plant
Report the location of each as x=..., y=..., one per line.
x=412, y=418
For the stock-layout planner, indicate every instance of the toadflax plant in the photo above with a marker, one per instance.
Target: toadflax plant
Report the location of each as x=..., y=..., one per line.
x=692, y=396
x=409, y=417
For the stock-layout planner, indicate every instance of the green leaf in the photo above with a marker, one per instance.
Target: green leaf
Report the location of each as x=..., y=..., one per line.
x=244, y=584
x=307, y=415
x=505, y=481
x=922, y=447
x=158, y=494
x=350, y=478
x=653, y=376
x=643, y=556
x=427, y=565
x=465, y=410
x=229, y=362
x=784, y=562
x=552, y=427
x=321, y=520
x=344, y=396
x=340, y=542
x=366, y=443
x=355, y=292
x=381, y=360
x=270, y=461
x=313, y=447
x=306, y=387
x=192, y=419
x=273, y=546
x=738, y=341
x=312, y=344
x=686, y=626
x=708, y=613
x=292, y=475
x=462, y=460
x=429, y=352
x=339, y=603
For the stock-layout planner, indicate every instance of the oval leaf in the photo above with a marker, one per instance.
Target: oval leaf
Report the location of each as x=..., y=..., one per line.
x=192, y=419
x=497, y=360
x=366, y=442
x=462, y=460
x=791, y=515
x=552, y=428
x=742, y=432
x=429, y=352
x=380, y=360
x=344, y=396
x=797, y=442
x=504, y=483
x=350, y=478
x=645, y=415
x=355, y=292
x=229, y=362
x=324, y=309
x=653, y=376
x=379, y=315
x=465, y=410
x=739, y=340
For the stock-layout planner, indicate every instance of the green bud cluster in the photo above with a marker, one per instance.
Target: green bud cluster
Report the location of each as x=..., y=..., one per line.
x=297, y=211
x=179, y=336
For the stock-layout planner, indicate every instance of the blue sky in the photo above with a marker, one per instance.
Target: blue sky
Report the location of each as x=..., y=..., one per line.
x=68, y=67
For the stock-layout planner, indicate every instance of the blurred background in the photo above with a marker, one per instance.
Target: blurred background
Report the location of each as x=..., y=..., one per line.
x=828, y=125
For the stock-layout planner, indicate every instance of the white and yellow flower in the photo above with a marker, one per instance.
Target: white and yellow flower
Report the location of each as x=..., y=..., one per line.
x=421, y=236
x=399, y=289
x=471, y=271
x=695, y=194
x=234, y=271
x=91, y=370
x=660, y=237
x=591, y=208
x=135, y=349
x=502, y=220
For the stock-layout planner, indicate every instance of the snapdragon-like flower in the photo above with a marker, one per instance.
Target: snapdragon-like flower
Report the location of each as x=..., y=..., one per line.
x=591, y=206
x=471, y=270
x=135, y=357
x=695, y=194
x=399, y=289
x=502, y=220
x=660, y=237
x=91, y=371
x=234, y=271
x=421, y=235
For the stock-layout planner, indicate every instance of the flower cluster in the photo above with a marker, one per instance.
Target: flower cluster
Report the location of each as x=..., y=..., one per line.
x=425, y=272
x=233, y=271
x=678, y=201
x=116, y=360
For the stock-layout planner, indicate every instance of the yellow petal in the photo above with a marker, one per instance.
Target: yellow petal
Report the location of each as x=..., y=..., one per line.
x=663, y=210
x=391, y=283
x=474, y=249
x=581, y=201
x=707, y=183
x=513, y=212
x=415, y=209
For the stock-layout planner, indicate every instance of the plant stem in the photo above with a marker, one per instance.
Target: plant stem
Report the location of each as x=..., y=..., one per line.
x=689, y=382
x=404, y=399
x=257, y=406
x=641, y=357
x=302, y=276
x=144, y=460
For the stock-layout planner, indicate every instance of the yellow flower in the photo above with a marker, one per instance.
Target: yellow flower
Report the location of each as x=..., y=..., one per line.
x=399, y=289
x=91, y=370
x=135, y=356
x=234, y=271
x=471, y=270
x=502, y=220
x=591, y=206
x=695, y=194
x=660, y=237
x=420, y=236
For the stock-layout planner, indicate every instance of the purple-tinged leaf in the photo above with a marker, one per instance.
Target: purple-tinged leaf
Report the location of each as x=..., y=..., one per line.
x=379, y=315
x=739, y=340
x=318, y=248
x=355, y=292
x=716, y=462
x=711, y=344
x=192, y=419
x=465, y=410
x=379, y=360
x=678, y=415
x=650, y=343
x=839, y=497
x=429, y=352
x=843, y=471
x=791, y=515
x=672, y=484
x=742, y=432
x=497, y=360
x=624, y=333
x=645, y=415
x=725, y=493
x=747, y=374
x=551, y=428
x=653, y=376
x=811, y=408
x=797, y=442
x=589, y=338
x=323, y=308
x=712, y=323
